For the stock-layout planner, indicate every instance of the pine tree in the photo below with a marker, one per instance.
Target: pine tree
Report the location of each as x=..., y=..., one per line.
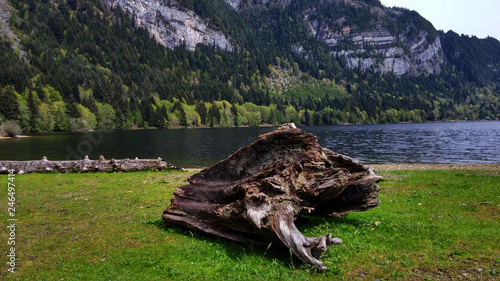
x=159, y=119
x=214, y=115
x=234, y=111
x=202, y=111
x=9, y=106
x=308, y=118
x=33, y=103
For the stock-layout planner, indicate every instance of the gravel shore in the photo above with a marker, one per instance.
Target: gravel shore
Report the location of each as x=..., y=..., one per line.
x=401, y=167
x=395, y=167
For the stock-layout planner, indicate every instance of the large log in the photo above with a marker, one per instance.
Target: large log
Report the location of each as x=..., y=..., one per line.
x=256, y=194
x=85, y=165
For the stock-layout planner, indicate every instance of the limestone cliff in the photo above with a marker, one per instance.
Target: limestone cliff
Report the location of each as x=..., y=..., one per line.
x=172, y=25
x=406, y=50
x=235, y=4
x=6, y=32
x=377, y=51
x=364, y=36
x=357, y=31
x=255, y=4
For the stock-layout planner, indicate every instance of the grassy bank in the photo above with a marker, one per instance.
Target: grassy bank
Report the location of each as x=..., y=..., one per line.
x=431, y=225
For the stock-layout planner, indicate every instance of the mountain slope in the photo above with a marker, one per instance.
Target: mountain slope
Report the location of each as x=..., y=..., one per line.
x=188, y=63
x=364, y=35
x=478, y=59
x=372, y=37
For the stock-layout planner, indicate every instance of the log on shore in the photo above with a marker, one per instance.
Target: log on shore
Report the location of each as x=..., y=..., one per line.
x=85, y=165
x=256, y=194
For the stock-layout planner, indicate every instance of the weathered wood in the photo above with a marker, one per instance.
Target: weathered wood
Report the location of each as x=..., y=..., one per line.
x=256, y=194
x=85, y=165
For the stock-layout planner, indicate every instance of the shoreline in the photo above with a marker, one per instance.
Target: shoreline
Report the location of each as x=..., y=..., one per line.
x=265, y=125
x=404, y=167
x=413, y=167
x=426, y=167
x=18, y=137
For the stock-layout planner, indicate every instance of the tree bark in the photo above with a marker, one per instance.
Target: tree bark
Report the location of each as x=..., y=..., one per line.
x=256, y=194
x=85, y=165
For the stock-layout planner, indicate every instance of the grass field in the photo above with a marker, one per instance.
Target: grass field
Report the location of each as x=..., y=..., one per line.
x=431, y=225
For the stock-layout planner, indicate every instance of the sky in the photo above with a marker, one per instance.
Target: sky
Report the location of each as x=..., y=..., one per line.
x=479, y=17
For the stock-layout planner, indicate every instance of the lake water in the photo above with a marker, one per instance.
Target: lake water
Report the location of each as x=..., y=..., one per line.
x=453, y=143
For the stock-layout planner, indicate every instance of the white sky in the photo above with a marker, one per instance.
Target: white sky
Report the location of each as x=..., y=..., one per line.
x=470, y=17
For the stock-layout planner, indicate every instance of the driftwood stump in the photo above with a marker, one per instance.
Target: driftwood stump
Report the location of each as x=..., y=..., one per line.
x=256, y=194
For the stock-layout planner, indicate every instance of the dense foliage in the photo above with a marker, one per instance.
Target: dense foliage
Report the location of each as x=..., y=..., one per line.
x=90, y=67
x=478, y=60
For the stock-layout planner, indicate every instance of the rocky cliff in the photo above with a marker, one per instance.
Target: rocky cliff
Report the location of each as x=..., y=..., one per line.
x=377, y=51
x=407, y=49
x=357, y=31
x=363, y=34
x=235, y=4
x=5, y=30
x=171, y=24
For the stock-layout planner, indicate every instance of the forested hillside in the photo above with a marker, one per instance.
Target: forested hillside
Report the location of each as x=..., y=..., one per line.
x=89, y=66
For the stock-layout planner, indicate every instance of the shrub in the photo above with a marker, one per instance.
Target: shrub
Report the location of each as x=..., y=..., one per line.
x=11, y=129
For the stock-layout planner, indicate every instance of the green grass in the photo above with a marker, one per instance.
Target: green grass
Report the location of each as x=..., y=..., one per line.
x=431, y=225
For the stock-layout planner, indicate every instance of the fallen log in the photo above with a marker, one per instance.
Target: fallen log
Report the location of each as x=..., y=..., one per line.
x=256, y=194
x=85, y=165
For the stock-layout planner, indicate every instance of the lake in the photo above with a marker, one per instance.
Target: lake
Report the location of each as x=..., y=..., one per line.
x=450, y=143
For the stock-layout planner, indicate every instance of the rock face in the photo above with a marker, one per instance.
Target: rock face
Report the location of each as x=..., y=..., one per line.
x=5, y=30
x=407, y=49
x=378, y=49
x=424, y=57
x=235, y=4
x=256, y=194
x=172, y=25
x=256, y=4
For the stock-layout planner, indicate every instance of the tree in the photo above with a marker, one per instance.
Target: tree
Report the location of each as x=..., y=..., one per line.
x=180, y=113
x=201, y=108
x=46, y=123
x=86, y=121
x=161, y=117
x=24, y=113
x=308, y=118
x=276, y=116
x=147, y=112
x=234, y=112
x=9, y=107
x=183, y=119
x=33, y=103
x=60, y=117
x=105, y=117
x=52, y=94
x=214, y=115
